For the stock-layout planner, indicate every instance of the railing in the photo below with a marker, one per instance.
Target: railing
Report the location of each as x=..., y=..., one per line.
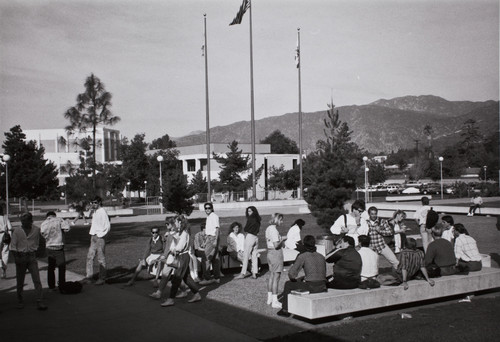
x=244, y=196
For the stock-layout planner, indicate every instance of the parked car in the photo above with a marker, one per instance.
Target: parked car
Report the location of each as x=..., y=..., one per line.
x=411, y=190
x=394, y=188
x=430, y=188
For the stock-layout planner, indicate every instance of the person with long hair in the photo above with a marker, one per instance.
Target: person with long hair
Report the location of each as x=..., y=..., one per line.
x=181, y=250
x=275, y=259
x=5, y=228
x=251, y=229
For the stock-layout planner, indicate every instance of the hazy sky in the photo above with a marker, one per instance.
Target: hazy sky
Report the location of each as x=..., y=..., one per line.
x=148, y=54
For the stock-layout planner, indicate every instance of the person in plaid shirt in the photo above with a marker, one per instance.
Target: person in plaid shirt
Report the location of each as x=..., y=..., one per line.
x=466, y=250
x=377, y=230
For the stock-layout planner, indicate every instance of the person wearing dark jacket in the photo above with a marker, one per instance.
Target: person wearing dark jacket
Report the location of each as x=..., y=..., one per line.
x=251, y=229
x=314, y=266
x=347, y=268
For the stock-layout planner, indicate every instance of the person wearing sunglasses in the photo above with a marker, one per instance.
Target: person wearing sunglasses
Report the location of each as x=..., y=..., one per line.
x=152, y=253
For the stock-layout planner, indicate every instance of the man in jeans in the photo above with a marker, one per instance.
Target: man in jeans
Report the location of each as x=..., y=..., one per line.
x=25, y=242
x=53, y=229
x=98, y=230
x=377, y=230
x=211, y=246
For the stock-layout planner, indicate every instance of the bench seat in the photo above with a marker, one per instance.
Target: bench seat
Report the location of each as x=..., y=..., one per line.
x=337, y=302
x=111, y=213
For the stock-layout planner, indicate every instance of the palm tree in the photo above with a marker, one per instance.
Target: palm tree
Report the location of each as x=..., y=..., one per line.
x=91, y=110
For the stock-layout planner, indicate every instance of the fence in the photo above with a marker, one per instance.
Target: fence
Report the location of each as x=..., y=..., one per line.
x=154, y=205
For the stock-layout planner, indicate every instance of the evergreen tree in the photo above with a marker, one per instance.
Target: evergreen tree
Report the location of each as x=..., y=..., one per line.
x=30, y=175
x=281, y=179
x=91, y=109
x=331, y=170
x=280, y=144
x=135, y=162
x=176, y=194
x=162, y=143
x=232, y=166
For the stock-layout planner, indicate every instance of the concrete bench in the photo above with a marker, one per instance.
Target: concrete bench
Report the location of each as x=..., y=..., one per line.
x=338, y=302
x=406, y=198
x=387, y=209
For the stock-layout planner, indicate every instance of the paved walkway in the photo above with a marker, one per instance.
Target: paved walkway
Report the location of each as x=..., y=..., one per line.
x=100, y=313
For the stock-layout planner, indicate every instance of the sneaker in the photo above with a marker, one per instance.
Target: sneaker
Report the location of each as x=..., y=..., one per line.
x=41, y=306
x=254, y=275
x=182, y=294
x=207, y=282
x=283, y=313
x=155, y=295
x=99, y=282
x=73, y=223
x=240, y=276
x=195, y=298
x=86, y=223
x=276, y=305
x=469, y=214
x=168, y=302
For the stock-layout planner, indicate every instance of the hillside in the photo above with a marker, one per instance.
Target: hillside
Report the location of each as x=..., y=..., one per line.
x=381, y=126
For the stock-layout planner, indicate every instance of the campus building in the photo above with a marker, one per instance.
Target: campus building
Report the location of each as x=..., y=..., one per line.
x=65, y=150
x=194, y=158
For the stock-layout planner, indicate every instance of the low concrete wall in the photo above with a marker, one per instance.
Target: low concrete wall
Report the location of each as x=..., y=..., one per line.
x=258, y=204
x=337, y=302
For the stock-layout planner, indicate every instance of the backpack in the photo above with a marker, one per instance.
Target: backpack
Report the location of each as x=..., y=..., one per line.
x=70, y=287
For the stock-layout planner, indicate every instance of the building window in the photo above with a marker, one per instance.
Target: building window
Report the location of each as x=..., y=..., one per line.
x=203, y=164
x=191, y=165
x=294, y=163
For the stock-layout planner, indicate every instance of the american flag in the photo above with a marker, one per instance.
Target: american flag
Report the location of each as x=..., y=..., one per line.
x=239, y=16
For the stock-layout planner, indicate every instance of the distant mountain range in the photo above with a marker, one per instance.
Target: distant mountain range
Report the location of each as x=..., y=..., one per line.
x=381, y=126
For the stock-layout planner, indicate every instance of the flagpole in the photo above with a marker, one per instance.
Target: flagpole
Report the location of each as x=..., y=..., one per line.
x=209, y=195
x=301, y=188
x=254, y=189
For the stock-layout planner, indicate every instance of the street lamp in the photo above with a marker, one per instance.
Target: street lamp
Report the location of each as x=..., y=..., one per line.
x=6, y=158
x=160, y=159
x=128, y=190
x=485, y=167
x=441, y=168
x=365, y=159
x=146, y=192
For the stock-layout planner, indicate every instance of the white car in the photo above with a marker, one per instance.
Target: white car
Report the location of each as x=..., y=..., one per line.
x=411, y=190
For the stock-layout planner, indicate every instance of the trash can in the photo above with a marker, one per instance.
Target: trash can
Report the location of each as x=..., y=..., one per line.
x=328, y=241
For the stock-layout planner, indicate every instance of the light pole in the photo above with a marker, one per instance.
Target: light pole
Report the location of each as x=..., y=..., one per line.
x=365, y=159
x=485, y=167
x=146, y=192
x=160, y=159
x=441, y=169
x=6, y=159
x=128, y=190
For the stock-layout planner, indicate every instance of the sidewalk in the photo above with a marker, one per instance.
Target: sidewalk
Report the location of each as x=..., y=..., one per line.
x=100, y=313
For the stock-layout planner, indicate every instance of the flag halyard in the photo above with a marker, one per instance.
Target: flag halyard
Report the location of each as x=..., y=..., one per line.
x=239, y=16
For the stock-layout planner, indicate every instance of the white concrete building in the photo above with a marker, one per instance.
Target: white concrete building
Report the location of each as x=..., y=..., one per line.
x=63, y=148
x=194, y=158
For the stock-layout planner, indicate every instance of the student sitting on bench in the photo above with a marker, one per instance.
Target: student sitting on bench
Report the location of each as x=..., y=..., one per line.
x=347, y=268
x=466, y=252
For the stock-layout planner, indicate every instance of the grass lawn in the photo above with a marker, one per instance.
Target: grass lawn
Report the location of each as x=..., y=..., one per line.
x=127, y=241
